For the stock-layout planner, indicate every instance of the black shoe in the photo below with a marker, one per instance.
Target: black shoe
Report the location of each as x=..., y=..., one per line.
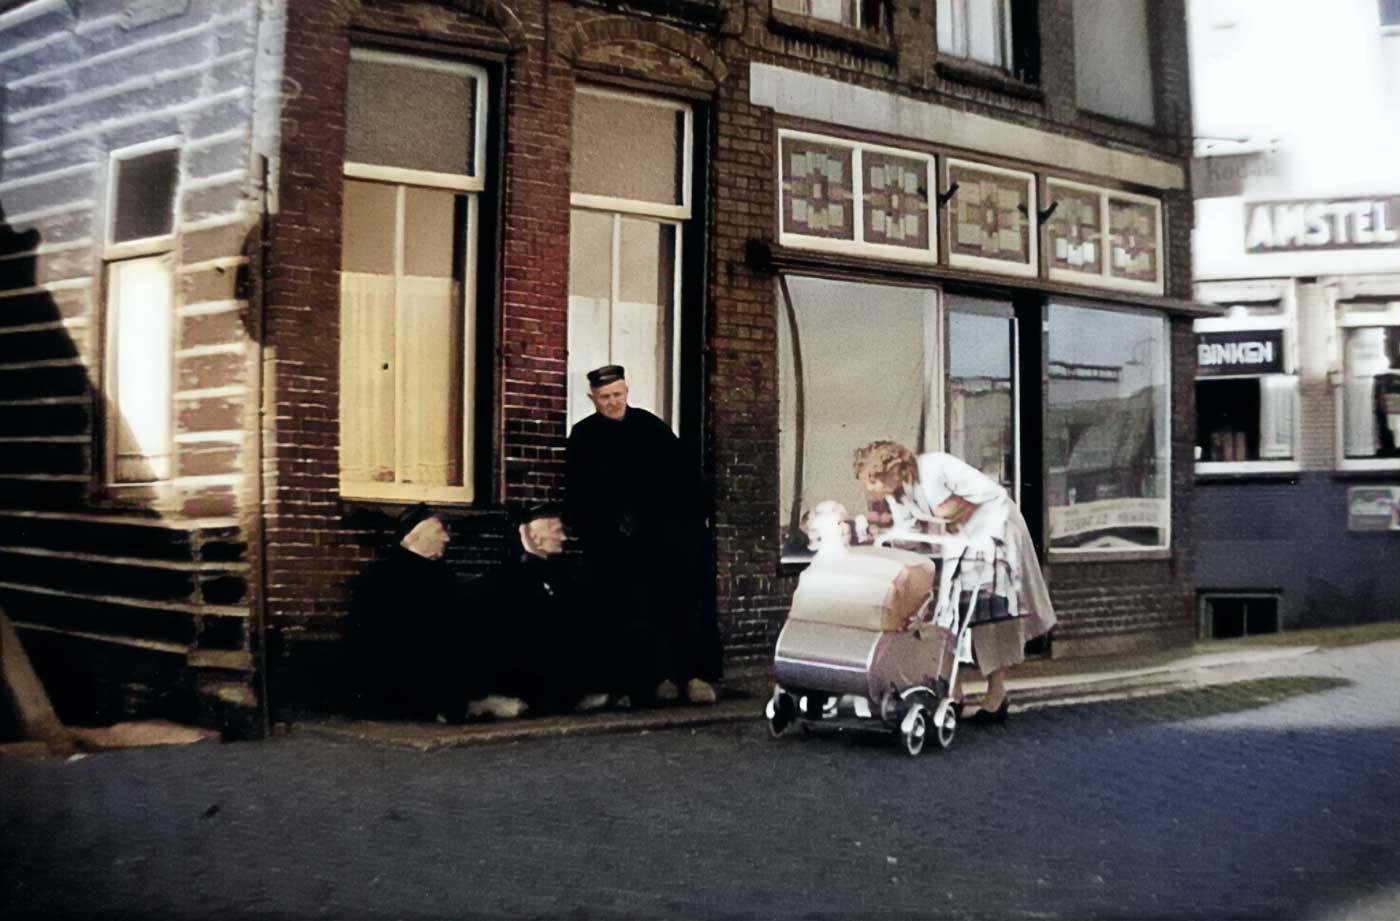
x=991, y=717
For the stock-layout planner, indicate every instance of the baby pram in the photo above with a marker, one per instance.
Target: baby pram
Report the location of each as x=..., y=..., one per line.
x=884, y=629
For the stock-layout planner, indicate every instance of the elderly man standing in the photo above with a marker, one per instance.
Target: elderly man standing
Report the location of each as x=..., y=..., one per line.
x=636, y=507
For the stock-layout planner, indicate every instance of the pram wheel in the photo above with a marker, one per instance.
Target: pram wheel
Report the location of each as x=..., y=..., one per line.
x=945, y=723
x=914, y=728
x=780, y=710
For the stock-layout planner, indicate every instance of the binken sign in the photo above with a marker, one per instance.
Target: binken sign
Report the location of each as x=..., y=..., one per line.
x=1256, y=351
x=1335, y=223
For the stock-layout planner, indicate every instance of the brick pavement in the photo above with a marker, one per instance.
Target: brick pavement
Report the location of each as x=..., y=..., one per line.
x=1190, y=805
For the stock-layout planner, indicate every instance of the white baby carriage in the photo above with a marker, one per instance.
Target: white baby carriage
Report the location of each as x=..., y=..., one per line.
x=879, y=631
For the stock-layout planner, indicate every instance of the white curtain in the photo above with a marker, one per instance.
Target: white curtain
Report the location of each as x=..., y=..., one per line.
x=367, y=372
x=1277, y=406
x=430, y=383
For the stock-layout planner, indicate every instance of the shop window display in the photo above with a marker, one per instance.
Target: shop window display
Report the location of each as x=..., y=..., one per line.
x=1107, y=429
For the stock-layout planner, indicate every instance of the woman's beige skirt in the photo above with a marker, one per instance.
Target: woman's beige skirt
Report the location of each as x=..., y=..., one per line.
x=999, y=644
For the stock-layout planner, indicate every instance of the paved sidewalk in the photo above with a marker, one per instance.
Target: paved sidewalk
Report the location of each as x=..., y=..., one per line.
x=1037, y=683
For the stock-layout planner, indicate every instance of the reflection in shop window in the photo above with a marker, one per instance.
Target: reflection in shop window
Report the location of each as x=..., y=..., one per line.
x=856, y=362
x=1371, y=396
x=981, y=390
x=1107, y=429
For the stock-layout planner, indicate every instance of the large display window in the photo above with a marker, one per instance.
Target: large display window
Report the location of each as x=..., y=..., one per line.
x=856, y=362
x=1108, y=423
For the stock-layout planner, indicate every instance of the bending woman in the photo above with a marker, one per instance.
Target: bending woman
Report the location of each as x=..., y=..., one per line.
x=938, y=489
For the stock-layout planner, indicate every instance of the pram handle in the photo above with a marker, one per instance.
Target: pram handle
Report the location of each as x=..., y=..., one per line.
x=947, y=545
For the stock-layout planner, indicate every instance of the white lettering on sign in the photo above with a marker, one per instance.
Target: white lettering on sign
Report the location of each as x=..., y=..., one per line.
x=1321, y=224
x=1234, y=353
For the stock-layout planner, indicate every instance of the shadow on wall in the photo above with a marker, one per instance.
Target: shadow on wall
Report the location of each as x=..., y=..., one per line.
x=54, y=417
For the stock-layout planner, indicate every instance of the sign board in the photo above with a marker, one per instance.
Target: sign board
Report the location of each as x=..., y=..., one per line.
x=1373, y=508
x=1322, y=224
x=1228, y=175
x=1239, y=352
x=1107, y=515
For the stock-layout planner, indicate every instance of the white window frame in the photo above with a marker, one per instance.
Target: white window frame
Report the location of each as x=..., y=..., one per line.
x=1029, y=269
x=1073, y=554
x=160, y=246
x=475, y=181
x=679, y=212
x=1284, y=294
x=1105, y=277
x=859, y=246
x=472, y=185
x=674, y=215
x=958, y=9
x=853, y=5
x=1345, y=320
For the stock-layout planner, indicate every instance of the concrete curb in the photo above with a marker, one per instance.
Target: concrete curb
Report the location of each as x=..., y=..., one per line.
x=747, y=693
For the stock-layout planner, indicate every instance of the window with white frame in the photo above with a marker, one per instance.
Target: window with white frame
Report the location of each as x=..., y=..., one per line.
x=631, y=199
x=1107, y=429
x=977, y=30
x=415, y=162
x=856, y=14
x=1370, y=392
x=856, y=362
x=1246, y=380
x=1390, y=16
x=140, y=298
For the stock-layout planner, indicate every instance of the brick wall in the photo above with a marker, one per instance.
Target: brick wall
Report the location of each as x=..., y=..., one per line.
x=315, y=541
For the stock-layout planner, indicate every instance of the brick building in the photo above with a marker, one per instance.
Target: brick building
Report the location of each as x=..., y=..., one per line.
x=1298, y=384
x=274, y=270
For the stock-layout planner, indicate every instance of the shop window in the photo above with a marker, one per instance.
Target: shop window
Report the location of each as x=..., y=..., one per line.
x=1231, y=616
x=1112, y=60
x=981, y=390
x=140, y=306
x=1107, y=429
x=631, y=199
x=1370, y=392
x=1246, y=389
x=855, y=14
x=856, y=362
x=413, y=181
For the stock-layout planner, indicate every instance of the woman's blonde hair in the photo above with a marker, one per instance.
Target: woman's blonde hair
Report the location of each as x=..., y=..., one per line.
x=885, y=457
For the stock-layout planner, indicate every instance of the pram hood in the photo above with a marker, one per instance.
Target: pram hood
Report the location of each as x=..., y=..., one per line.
x=868, y=588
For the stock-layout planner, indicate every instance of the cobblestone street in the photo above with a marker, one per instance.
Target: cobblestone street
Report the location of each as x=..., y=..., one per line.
x=1278, y=797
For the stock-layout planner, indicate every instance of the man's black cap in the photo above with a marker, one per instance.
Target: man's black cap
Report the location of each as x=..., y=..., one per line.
x=536, y=512
x=412, y=518
x=607, y=374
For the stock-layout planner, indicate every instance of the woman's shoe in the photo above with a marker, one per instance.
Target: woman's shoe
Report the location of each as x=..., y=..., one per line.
x=991, y=717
